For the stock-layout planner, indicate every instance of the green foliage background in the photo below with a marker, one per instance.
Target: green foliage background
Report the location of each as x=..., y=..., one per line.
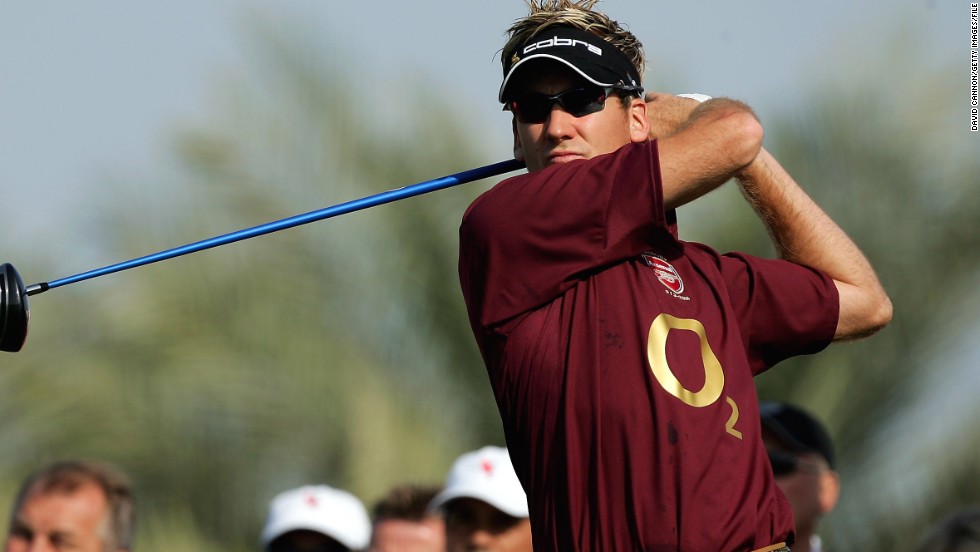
x=340, y=352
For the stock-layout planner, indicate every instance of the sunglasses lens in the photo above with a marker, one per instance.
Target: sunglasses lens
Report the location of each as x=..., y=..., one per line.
x=532, y=108
x=577, y=102
x=583, y=101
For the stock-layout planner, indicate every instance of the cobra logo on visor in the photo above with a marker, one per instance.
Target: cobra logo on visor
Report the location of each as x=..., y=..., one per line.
x=553, y=42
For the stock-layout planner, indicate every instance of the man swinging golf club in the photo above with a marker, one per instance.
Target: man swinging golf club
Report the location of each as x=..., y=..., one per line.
x=620, y=356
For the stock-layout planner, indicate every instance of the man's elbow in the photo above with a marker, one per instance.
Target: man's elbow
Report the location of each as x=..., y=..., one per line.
x=856, y=324
x=746, y=137
x=881, y=314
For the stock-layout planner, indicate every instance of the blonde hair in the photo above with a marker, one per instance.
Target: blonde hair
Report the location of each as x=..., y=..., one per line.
x=571, y=13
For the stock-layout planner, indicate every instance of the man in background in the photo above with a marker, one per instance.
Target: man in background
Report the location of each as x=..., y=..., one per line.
x=802, y=457
x=73, y=505
x=316, y=518
x=484, y=505
x=404, y=523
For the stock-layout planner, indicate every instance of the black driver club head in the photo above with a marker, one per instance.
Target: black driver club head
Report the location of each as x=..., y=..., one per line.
x=14, y=312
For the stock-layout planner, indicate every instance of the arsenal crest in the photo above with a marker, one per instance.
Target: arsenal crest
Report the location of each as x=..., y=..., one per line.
x=665, y=272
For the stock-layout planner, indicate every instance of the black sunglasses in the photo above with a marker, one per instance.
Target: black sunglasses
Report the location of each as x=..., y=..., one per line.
x=533, y=107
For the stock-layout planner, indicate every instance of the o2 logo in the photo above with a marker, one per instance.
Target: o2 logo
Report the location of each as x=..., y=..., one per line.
x=714, y=376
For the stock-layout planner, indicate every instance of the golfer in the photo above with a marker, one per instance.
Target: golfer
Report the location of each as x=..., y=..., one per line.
x=621, y=357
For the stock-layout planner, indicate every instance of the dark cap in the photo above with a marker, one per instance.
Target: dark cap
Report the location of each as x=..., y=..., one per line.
x=796, y=429
x=596, y=60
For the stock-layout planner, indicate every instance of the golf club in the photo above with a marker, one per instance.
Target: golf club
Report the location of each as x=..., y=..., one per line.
x=15, y=313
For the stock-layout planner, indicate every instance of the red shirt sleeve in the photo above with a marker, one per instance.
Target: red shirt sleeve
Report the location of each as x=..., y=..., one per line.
x=528, y=239
x=784, y=309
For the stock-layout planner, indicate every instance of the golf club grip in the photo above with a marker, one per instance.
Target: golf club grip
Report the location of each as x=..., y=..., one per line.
x=290, y=222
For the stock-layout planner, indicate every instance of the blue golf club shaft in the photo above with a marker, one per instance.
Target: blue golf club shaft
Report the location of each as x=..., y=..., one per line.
x=290, y=222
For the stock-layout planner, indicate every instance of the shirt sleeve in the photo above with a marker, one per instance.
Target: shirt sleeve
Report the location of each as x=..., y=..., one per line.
x=531, y=237
x=784, y=309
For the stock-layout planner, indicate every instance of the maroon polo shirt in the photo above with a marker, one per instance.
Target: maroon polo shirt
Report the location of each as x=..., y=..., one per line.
x=622, y=359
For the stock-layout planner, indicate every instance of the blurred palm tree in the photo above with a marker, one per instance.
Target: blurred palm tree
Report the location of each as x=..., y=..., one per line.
x=336, y=353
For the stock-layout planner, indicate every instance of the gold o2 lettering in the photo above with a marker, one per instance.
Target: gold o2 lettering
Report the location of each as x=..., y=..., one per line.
x=714, y=377
x=730, y=426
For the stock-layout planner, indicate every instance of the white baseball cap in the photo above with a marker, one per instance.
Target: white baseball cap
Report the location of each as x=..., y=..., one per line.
x=335, y=513
x=488, y=475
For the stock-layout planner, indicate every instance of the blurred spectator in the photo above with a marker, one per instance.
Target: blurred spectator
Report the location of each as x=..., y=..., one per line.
x=76, y=505
x=959, y=532
x=316, y=518
x=403, y=522
x=802, y=457
x=484, y=505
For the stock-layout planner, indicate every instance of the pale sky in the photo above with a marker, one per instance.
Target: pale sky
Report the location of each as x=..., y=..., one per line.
x=97, y=87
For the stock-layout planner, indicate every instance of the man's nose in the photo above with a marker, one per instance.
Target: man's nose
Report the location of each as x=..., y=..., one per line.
x=558, y=125
x=480, y=539
x=39, y=545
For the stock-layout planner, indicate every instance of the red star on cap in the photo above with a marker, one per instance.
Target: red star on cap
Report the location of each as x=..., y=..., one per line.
x=487, y=467
x=311, y=500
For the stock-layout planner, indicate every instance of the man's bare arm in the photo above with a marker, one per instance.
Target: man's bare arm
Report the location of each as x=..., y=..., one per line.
x=801, y=231
x=805, y=235
x=701, y=145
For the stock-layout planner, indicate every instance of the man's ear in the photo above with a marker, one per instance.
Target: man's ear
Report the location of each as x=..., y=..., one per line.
x=518, y=149
x=829, y=490
x=639, y=125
